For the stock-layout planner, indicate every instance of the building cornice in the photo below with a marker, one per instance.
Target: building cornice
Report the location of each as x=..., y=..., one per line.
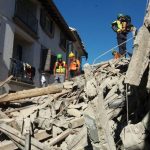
x=58, y=18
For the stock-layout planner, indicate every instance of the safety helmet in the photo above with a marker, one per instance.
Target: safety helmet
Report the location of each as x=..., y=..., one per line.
x=59, y=56
x=120, y=15
x=113, y=52
x=128, y=18
x=71, y=55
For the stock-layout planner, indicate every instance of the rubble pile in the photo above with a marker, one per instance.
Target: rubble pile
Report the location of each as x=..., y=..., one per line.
x=106, y=91
x=77, y=115
x=50, y=120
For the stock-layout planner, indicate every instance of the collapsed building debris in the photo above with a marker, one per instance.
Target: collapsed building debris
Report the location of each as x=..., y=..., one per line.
x=59, y=116
x=89, y=112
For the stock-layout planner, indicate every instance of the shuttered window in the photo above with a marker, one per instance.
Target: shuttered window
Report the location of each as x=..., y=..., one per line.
x=47, y=23
x=63, y=41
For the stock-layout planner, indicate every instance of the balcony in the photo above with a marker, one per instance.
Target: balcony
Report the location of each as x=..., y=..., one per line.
x=21, y=71
x=24, y=18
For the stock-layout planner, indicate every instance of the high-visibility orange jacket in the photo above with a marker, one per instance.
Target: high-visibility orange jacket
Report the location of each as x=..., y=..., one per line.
x=117, y=55
x=74, y=65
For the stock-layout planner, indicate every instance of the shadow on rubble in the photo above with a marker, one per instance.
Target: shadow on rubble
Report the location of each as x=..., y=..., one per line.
x=16, y=105
x=142, y=97
x=89, y=147
x=138, y=108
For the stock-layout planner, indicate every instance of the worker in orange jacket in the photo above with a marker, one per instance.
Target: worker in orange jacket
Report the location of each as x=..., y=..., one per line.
x=116, y=54
x=74, y=67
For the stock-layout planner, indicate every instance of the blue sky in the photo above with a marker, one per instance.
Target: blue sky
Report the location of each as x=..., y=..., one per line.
x=92, y=19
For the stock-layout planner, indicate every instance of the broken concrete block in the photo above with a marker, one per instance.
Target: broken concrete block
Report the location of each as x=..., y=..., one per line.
x=117, y=103
x=88, y=73
x=79, y=81
x=91, y=88
x=77, y=122
x=68, y=84
x=57, y=105
x=63, y=146
x=133, y=137
x=77, y=106
x=46, y=112
x=91, y=125
x=110, y=99
x=146, y=121
x=96, y=146
x=61, y=122
x=44, y=123
x=56, y=131
x=140, y=58
x=105, y=83
x=79, y=141
x=112, y=113
x=148, y=83
x=74, y=112
x=115, y=88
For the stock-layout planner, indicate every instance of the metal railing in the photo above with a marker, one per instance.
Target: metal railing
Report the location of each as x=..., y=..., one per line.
x=21, y=71
x=23, y=13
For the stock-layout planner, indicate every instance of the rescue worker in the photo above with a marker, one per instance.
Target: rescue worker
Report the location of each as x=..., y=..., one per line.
x=60, y=70
x=74, y=67
x=122, y=26
x=116, y=54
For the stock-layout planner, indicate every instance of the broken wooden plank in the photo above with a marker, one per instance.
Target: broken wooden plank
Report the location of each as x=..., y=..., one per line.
x=14, y=134
x=40, y=135
x=18, y=109
x=6, y=81
x=27, y=133
x=102, y=124
x=79, y=141
x=52, y=89
x=60, y=137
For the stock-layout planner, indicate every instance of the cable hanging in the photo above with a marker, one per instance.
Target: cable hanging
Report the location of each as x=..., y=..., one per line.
x=112, y=49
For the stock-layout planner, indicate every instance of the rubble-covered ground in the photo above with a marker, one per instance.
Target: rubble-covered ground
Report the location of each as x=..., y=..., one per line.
x=88, y=112
x=58, y=120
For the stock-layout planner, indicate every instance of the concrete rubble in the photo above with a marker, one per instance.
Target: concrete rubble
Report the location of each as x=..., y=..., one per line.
x=75, y=115
x=88, y=112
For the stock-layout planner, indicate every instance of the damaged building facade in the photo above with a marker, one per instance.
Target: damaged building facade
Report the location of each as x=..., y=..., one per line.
x=33, y=32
